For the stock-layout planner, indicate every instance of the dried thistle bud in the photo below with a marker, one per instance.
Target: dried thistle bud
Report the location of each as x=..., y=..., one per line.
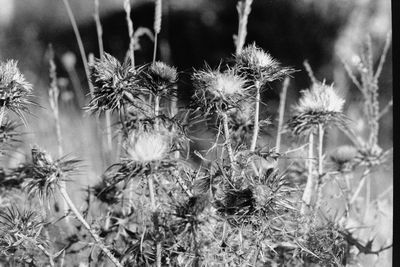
x=114, y=84
x=46, y=174
x=258, y=65
x=160, y=79
x=343, y=157
x=221, y=91
x=318, y=105
x=14, y=89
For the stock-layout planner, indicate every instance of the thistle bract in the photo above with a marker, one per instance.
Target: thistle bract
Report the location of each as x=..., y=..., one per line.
x=14, y=89
x=318, y=105
x=114, y=84
x=258, y=65
x=221, y=91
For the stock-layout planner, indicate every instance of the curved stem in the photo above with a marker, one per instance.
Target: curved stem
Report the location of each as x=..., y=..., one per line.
x=281, y=112
x=78, y=215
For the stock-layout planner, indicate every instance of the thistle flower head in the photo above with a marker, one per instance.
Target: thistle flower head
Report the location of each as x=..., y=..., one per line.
x=114, y=84
x=147, y=146
x=46, y=174
x=320, y=98
x=319, y=105
x=14, y=89
x=215, y=90
x=160, y=79
x=260, y=66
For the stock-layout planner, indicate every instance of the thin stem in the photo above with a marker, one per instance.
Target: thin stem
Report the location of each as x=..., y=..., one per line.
x=360, y=185
x=367, y=199
x=256, y=118
x=154, y=211
x=2, y=113
x=228, y=144
x=80, y=44
x=78, y=215
x=99, y=31
x=308, y=191
x=243, y=8
x=157, y=25
x=320, y=167
x=281, y=112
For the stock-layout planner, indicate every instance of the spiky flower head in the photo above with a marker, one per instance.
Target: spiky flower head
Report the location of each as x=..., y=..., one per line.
x=114, y=84
x=19, y=230
x=216, y=90
x=14, y=89
x=160, y=79
x=258, y=65
x=46, y=174
x=320, y=104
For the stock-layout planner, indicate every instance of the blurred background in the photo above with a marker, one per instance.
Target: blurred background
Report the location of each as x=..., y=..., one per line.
x=324, y=32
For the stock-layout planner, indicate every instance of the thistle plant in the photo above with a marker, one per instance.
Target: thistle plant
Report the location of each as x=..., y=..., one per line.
x=317, y=108
x=259, y=68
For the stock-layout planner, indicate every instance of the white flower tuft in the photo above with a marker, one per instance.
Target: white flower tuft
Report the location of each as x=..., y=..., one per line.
x=147, y=146
x=226, y=84
x=320, y=98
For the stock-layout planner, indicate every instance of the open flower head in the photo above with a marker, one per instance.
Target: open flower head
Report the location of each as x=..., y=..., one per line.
x=215, y=90
x=14, y=89
x=320, y=104
x=260, y=66
x=160, y=79
x=114, y=84
x=147, y=146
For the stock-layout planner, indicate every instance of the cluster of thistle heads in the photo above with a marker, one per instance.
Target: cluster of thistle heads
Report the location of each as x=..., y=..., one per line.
x=201, y=213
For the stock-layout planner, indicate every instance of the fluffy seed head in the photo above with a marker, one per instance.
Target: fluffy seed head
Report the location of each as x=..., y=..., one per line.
x=149, y=146
x=14, y=89
x=319, y=98
x=319, y=105
x=218, y=90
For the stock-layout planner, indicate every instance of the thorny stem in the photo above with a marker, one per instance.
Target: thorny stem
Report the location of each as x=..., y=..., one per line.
x=80, y=44
x=244, y=8
x=256, y=118
x=307, y=194
x=281, y=112
x=78, y=215
x=228, y=143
